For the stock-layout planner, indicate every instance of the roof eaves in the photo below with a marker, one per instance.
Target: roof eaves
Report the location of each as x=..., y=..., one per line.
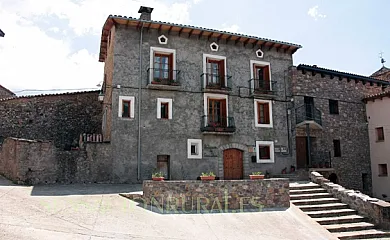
x=47, y=95
x=377, y=96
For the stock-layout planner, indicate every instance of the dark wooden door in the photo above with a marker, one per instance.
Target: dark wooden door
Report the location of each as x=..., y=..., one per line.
x=232, y=164
x=301, y=152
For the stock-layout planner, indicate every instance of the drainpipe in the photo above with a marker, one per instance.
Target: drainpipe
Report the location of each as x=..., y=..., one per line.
x=139, y=106
x=308, y=143
x=288, y=112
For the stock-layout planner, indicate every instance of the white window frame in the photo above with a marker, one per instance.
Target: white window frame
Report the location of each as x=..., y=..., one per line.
x=262, y=64
x=164, y=100
x=126, y=98
x=270, y=125
x=206, y=97
x=271, y=151
x=198, y=143
x=154, y=50
x=216, y=57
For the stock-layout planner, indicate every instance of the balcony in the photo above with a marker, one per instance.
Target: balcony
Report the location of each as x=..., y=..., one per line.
x=262, y=88
x=308, y=114
x=218, y=125
x=159, y=78
x=216, y=83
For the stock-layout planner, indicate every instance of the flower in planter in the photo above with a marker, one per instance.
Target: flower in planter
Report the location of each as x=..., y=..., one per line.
x=207, y=176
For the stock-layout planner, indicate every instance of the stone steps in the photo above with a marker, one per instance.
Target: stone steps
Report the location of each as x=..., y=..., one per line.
x=331, y=213
x=309, y=196
x=335, y=216
x=347, y=227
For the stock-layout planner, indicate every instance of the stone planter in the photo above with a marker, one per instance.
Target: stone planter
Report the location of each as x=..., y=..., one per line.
x=158, y=178
x=207, y=178
x=253, y=177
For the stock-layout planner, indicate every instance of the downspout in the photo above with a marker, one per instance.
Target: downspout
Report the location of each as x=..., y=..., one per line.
x=288, y=113
x=139, y=106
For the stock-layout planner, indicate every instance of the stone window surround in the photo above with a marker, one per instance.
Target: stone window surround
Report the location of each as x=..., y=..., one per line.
x=272, y=153
x=216, y=57
x=154, y=50
x=120, y=106
x=270, y=125
x=198, y=143
x=164, y=100
x=259, y=63
x=206, y=97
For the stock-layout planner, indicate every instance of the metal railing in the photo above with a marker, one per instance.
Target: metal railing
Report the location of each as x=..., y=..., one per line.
x=259, y=86
x=308, y=112
x=217, y=124
x=215, y=81
x=164, y=76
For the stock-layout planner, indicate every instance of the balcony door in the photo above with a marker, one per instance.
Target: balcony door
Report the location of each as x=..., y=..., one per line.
x=262, y=79
x=217, y=112
x=309, y=107
x=215, y=73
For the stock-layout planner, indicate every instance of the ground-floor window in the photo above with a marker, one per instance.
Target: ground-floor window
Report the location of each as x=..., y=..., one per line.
x=265, y=152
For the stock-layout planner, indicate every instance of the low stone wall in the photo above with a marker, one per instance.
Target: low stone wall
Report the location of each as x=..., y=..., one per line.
x=376, y=210
x=218, y=195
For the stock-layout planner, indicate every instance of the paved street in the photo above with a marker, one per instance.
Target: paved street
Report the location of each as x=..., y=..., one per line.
x=98, y=212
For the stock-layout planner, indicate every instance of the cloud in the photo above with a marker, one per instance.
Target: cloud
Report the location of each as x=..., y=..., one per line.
x=32, y=57
x=314, y=13
x=233, y=28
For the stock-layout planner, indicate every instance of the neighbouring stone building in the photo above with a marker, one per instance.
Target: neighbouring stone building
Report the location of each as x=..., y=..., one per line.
x=329, y=109
x=2, y=34
x=6, y=93
x=186, y=100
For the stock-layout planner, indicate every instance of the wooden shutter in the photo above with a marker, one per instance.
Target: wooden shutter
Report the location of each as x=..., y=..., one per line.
x=266, y=113
x=266, y=74
x=223, y=112
x=221, y=65
x=170, y=66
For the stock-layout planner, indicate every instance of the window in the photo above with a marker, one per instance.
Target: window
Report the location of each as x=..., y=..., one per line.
x=164, y=108
x=265, y=151
x=162, y=65
x=333, y=106
x=216, y=110
x=126, y=107
x=194, y=148
x=382, y=169
x=263, y=113
x=380, y=136
x=214, y=71
x=365, y=182
x=337, y=148
x=260, y=77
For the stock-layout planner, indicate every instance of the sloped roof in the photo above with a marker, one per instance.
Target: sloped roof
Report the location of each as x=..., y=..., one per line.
x=1, y=33
x=377, y=96
x=380, y=72
x=7, y=90
x=191, y=30
x=45, y=95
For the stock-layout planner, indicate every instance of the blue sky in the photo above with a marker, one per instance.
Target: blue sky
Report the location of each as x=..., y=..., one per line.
x=54, y=44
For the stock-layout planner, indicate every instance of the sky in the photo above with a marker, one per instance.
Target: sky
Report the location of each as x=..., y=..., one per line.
x=54, y=44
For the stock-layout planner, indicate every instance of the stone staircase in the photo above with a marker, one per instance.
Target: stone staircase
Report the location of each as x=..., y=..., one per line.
x=331, y=213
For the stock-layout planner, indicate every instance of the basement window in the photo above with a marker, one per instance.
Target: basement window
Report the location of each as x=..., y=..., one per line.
x=382, y=169
x=380, y=136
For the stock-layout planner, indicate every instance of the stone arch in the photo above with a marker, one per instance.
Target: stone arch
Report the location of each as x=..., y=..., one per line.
x=238, y=146
x=333, y=178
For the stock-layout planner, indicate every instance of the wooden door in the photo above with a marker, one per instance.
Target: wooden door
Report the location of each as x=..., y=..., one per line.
x=232, y=164
x=301, y=152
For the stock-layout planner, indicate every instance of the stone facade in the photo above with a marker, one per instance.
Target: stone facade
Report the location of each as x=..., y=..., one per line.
x=169, y=137
x=349, y=125
x=376, y=210
x=60, y=118
x=5, y=93
x=40, y=162
x=219, y=196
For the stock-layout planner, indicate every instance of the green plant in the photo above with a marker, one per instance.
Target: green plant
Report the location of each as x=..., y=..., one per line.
x=208, y=174
x=256, y=173
x=158, y=174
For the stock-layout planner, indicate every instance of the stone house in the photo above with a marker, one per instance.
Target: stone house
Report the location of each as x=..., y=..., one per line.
x=378, y=112
x=331, y=131
x=5, y=93
x=185, y=100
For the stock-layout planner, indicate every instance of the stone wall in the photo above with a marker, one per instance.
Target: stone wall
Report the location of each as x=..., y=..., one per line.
x=349, y=126
x=218, y=195
x=60, y=118
x=39, y=162
x=376, y=210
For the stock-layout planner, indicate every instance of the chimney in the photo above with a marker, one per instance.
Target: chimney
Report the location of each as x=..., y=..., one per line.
x=146, y=13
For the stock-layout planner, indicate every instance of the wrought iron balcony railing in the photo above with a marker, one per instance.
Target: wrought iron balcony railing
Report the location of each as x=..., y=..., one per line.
x=259, y=86
x=217, y=124
x=215, y=81
x=164, y=76
x=308, y=112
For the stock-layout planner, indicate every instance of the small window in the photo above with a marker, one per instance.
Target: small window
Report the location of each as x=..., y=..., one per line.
x=164, y=108
x=263, y=113
x=380, y=136
x=337, y=148
x=126, y=107
x=382, y=170
x=194, y=148
x=265, y=151
x=333, y=106
x=365, y=181
x=162, y=68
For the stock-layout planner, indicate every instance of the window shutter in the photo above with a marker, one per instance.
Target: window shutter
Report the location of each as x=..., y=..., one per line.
x=258, y=113
x=266, y=113
x=170, y=66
